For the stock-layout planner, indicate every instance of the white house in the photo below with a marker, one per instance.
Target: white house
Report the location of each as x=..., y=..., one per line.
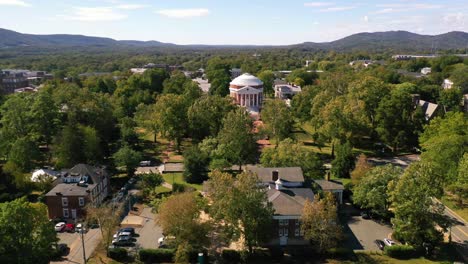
x=286, y=91
x=426, y=70
x=447, y=84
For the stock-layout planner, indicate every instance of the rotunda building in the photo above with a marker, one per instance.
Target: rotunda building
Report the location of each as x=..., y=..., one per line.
x=247, y=91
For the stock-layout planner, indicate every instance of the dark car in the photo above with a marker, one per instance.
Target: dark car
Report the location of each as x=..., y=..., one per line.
x=380, y=244
x=131, y=230
x=365, y=215
x=122, y=241
x=59, y=251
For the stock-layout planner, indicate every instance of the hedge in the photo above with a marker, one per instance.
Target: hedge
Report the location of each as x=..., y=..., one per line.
x=401, y=252
x=118, y=253
x=156, y=255
x=178, y=187
x=340, y=253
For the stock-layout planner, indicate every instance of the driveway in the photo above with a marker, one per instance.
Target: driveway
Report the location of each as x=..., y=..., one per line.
x=361, y=233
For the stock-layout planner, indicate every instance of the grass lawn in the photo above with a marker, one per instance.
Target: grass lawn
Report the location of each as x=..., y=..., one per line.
x=178, y=178
x=162, y=189
x=376, y=257
x=462, y=212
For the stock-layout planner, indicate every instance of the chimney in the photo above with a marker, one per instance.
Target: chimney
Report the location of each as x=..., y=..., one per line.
x=416, y=98
x=327, y=176
x=274, y=175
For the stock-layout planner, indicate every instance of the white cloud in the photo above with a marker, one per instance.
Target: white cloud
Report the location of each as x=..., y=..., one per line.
x=14, y=3
x=411, y=6
x=317, y=4
x=184, y=13
x=455, y=20
x=366, y=19
x=130, y=6
x=91, y=14
x=337, y=8
x=387, y=11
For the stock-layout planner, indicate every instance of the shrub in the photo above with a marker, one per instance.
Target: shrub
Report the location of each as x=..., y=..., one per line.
x=231, y=256
x=340, y=253
x=178, y=187
x=401, y=252
x=118, y=253
x=156, y=255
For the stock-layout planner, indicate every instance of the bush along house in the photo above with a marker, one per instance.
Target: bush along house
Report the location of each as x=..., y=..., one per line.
x=287, y=195
x=79, y=186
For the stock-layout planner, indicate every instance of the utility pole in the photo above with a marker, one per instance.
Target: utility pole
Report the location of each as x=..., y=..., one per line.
x=82, y=242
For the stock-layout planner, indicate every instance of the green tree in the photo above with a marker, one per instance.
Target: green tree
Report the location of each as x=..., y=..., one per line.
x=444, y=142
x=242, y=206
x=277, y=117
x=451, y=99
x=91, y=145
x=218, y=73
x=460, y=78
x=68, y=147
x=308, y=78
x=206, y=114
x=128, y=158
x=236, y=140
x=24, y=154
x=416, y=213
x=394, y=119
x=373, y=190
x=45, y=116
x=320, y=224
x=343, y=162
x=27, y=235
x=179, y=217
x=291, y=154
x=195, y=165
x=175, y=84
x=171, y=111
x=268, y=79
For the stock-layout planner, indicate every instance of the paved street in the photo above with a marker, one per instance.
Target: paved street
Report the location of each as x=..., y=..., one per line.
x=459, y=233
x=73, y=240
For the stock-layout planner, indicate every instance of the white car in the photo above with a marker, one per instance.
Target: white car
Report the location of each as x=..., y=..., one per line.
x=60, y=226
x=80, y=228
x=389, y=242
x=119, y=234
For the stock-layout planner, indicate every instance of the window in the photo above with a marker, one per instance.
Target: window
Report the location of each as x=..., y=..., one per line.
x=297, y=229
x=286, y=231
x=65, y=212
x=64, y=201
x=283, y=222
x=81, y=201
x=297, y=232
x=280, y=231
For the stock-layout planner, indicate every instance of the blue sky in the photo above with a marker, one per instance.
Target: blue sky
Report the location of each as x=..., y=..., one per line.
x=274, y=22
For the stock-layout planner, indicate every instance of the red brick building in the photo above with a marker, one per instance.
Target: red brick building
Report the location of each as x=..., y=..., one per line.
x=80, y=186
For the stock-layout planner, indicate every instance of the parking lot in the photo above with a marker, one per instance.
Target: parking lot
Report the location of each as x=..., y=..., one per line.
x=361, y=233
x=147, y=231
x=73, y=241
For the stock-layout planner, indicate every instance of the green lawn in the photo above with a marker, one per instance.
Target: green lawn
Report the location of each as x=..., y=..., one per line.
x=162, y=189
x=462, y=212
x=178, y=178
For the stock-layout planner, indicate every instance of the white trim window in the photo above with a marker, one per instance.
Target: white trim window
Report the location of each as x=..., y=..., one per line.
x=81, y=201
x=65, y=213
x=64, y=201
x=280, y=231
x=297, y=229
x=283, y=222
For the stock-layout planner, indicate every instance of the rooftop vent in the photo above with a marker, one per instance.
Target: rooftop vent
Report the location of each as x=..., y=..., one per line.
x=274, y=175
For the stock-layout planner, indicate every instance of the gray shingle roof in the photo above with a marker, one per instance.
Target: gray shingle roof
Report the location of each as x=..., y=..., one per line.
x=329, y=185
x=290, y=174
x=289, y=201
x=69, y=189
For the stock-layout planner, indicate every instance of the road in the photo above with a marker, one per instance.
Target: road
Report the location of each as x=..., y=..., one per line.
x=459, y=233
x=150, y=232
x=91, y=238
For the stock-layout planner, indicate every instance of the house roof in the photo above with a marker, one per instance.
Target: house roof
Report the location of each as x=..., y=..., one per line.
x=428, y=108
x=246, y=79
x=94, y=173
x=289, y=201
x=329, y=185
x=291, y=174
x=67, y=189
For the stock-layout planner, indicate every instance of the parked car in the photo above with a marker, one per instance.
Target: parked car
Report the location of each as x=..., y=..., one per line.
x=380, y=244
x=365, y=215
x=69, y=228
x=389, y=242
x=60, y=226
x=59, y=251
x=119, y=234
x=80, y=228
x=144, y=163
x=130, y=230
x=122, y=241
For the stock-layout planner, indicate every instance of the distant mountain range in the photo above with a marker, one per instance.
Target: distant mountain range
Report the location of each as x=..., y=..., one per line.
x=396, y=41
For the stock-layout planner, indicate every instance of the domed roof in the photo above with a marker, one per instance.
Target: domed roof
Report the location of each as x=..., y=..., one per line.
x=246, y=79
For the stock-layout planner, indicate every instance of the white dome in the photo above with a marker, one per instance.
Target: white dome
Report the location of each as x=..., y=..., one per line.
x=246, y=79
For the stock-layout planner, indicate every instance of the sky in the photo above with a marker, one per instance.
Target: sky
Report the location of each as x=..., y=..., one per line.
x=259, y=22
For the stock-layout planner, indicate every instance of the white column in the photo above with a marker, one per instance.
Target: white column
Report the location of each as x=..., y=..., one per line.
x=243, y=100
